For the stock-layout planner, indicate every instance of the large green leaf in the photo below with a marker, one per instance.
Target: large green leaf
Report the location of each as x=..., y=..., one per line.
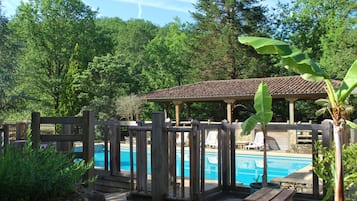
x=351, y=124
x=349, y=83
x=291, y=57
x=249, y=124
x=262, y=104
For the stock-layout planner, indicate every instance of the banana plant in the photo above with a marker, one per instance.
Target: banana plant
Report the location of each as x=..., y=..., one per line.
x=297, y=61
x=263, y=115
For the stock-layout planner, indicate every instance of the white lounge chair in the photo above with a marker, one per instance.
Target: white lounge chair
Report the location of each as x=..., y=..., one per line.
x=185, y=138
x=212, y=140
x=258, y=141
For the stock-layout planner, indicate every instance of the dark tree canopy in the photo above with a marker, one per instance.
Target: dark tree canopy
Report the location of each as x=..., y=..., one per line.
x=218, y=53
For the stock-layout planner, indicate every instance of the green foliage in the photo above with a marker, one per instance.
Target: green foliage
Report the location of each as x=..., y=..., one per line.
x=299, y=62
x=39, y=174
x=48, y=32
x=106, y=78
x=292, y=58
x=324, y=168
x=168, y=59
x=325, y=30
x=262, y=106
x=216, y=53
x=8, y=53
x=263, y=115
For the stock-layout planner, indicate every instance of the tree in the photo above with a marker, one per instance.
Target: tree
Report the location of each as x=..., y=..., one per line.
x=325, y=30
x=128, y=107
x=112, y=29
x=8, y=54
x=300, y=63
x=71, y=104
x=264, y=114
x=49, y=31
x=131, y=43
x=106, y=78
x=168, y=59
x=218, y=54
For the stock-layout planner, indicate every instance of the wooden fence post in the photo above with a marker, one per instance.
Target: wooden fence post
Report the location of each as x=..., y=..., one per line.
x=159, y=159
x=88, y=141
x=66, y=129
x=232, y=133
x=327, y=135
x=327, y=132
x=21, y=131
x=114, y=146
x=35, y=129
x=315, y=179
x=225, y=154
x=5, y=139
x=194, y=161
x=141, y=159
x=353, y=134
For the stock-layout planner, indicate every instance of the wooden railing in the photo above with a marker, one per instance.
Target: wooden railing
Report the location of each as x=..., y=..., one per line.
x=155, y=172
x=164, y=182
x=86, y=134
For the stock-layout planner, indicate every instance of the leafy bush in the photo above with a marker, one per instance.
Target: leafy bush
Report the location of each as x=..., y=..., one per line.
x=39, y=174
x=324, y=167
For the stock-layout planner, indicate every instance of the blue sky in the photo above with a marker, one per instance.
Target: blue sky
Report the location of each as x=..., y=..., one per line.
x=160, y=12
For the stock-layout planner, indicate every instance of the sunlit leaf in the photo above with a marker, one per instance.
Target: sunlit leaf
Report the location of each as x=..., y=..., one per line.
x=249, y=124
x=263, y=104
x=263, y=108
x=321, y=111
x=322, y=102
x=291, y=57
x=351, y=124
x=349, y=83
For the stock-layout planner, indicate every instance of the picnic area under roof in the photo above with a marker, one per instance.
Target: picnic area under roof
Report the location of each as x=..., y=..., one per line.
x=291, y=88
x=240, y=89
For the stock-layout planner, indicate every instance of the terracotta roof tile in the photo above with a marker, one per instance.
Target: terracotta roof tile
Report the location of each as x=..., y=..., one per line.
x=279, y=87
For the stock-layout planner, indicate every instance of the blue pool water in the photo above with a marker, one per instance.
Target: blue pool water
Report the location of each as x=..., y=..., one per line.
x=248, y=167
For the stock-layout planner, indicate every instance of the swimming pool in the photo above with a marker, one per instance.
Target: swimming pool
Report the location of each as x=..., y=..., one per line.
x=248, y=167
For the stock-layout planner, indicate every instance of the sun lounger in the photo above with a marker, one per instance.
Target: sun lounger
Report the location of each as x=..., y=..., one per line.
x=212, y=139
x=185, y=138
x=258, y=141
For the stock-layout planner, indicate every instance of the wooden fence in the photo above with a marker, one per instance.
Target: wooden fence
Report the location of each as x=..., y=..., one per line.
x=84, y=123
x=155, y=151
x=165, y=183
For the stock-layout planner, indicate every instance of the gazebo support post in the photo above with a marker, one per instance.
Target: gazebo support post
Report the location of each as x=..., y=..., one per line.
x=230, y=103
x=177, y=111
x=291, y=133
x=291, y=109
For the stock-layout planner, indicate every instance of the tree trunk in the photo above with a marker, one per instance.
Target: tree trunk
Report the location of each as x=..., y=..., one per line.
x=265, y=170
x=337, y=134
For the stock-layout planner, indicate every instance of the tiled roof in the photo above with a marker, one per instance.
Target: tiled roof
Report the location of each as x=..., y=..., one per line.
x=240, y=89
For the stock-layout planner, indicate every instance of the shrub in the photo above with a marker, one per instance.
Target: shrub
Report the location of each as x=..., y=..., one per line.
x=324, y=168
x=39, y=174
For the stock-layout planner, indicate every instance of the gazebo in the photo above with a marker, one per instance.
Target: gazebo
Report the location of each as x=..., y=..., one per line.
x=290, y=88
